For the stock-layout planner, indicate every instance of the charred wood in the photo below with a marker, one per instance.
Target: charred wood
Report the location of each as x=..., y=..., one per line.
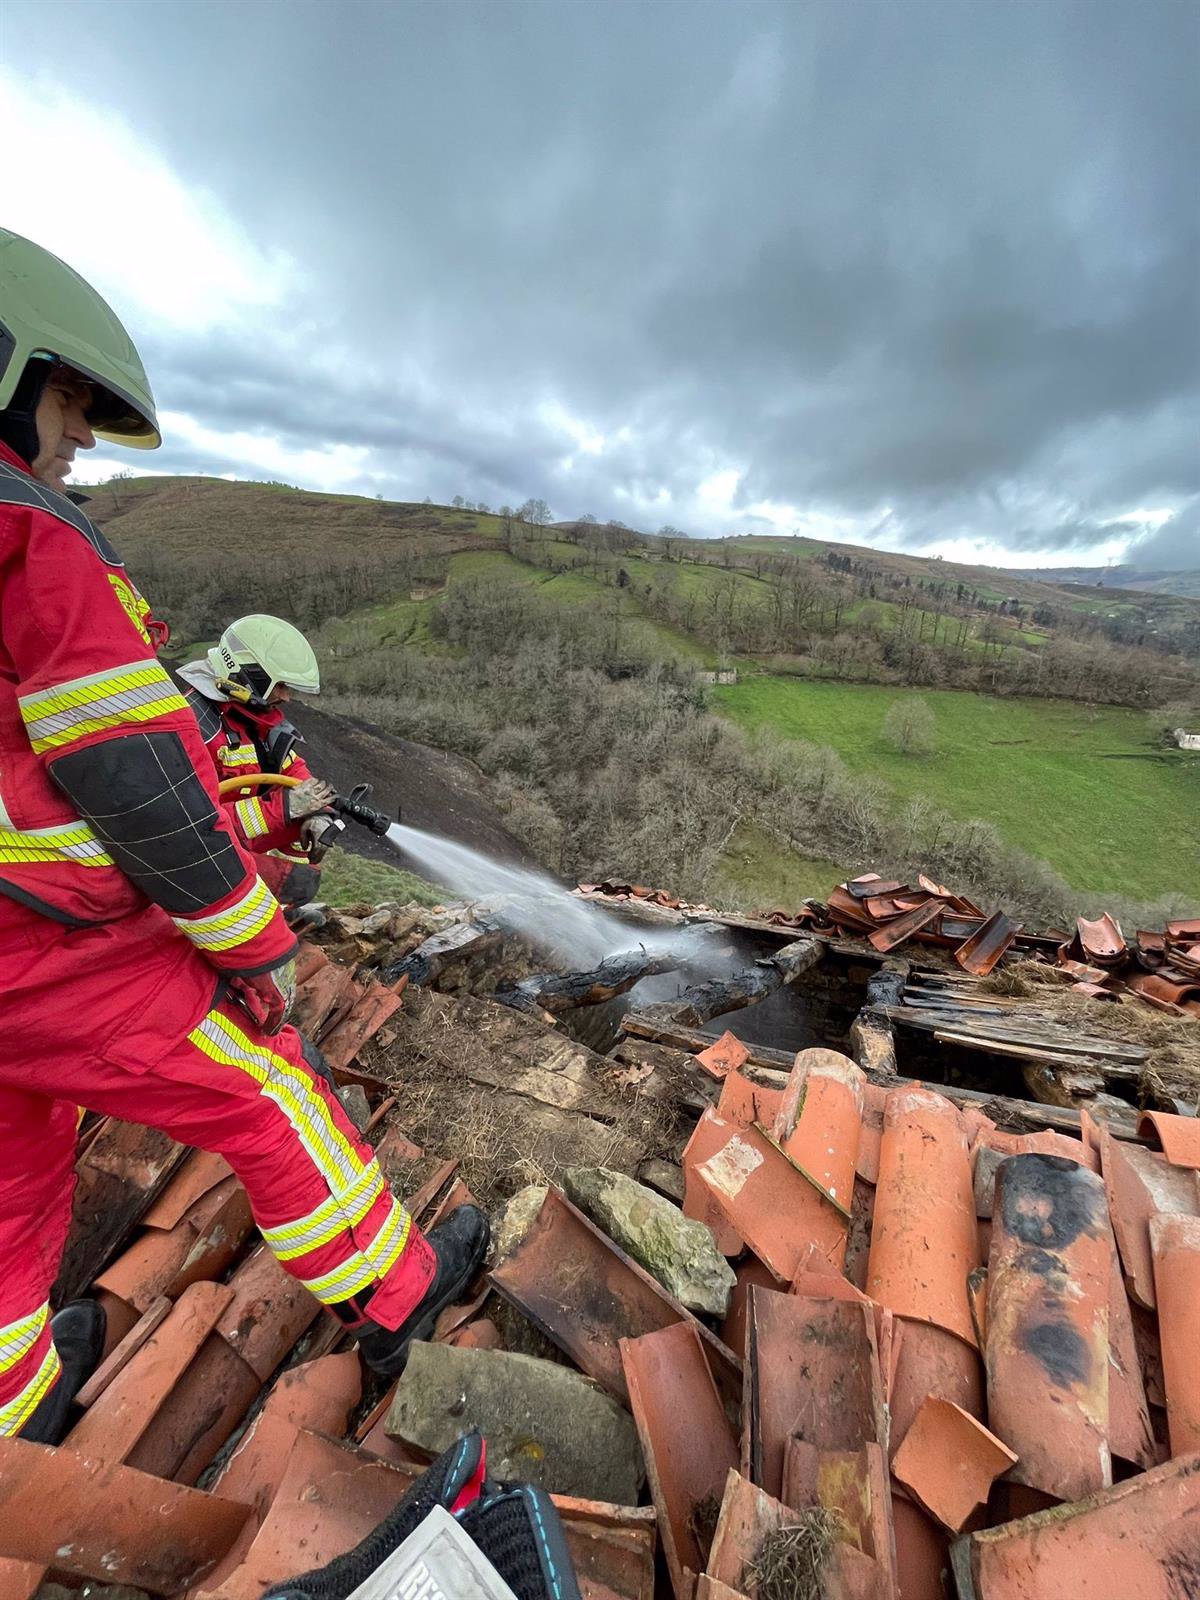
x=555, y=992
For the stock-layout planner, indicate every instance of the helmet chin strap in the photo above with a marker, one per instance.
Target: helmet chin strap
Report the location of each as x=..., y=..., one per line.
x=18, y=421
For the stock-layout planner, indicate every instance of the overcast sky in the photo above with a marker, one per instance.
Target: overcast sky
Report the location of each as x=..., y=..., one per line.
x=917, y=273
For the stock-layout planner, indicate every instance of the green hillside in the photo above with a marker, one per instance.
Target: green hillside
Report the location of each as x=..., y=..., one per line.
x=1083, y=788
x=1087, y=787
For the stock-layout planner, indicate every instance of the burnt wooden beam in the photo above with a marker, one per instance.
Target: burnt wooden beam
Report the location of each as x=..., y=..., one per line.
x=872, y=1043
x=426, y=963
x=562, y=991
x=699, y=1005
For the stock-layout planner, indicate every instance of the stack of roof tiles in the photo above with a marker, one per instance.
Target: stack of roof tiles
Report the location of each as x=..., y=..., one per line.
x=977, y=1349
x=1161, y=967
x=224, y=1443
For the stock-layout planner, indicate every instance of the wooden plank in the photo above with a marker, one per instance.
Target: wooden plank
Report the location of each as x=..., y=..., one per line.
x=772, y=1067
x=662, y=1030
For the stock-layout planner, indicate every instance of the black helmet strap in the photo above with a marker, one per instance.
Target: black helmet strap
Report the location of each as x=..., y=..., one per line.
x=18, y=420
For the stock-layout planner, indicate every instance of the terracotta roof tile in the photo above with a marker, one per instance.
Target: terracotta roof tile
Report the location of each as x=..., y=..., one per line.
x=1047, y=1348
x=949, y=1461
x=1137, y=1541
x=687, y=1443
x=94, y=1518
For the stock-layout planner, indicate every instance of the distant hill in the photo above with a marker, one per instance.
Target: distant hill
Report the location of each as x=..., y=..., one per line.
x=1186, y=584
x=194, y=516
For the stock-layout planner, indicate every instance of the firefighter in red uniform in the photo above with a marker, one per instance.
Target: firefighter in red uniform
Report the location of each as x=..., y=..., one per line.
x=238, y=693
x=147, y=969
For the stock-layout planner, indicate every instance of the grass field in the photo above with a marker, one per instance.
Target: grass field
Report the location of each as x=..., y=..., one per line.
x=1084, y=789
x=758, y=873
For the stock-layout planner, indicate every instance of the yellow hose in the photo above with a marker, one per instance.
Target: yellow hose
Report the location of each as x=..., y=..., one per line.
x=257, y=780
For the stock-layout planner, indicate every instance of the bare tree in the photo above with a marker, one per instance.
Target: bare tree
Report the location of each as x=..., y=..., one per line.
x=537, y=512
x=909, y=727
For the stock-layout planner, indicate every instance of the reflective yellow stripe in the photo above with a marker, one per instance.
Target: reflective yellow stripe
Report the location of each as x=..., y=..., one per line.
x=330, y=1151
x=252, y=817
x=354, y=1185
x=238, y=755
x=331, y=1217
x=72, y=841
x=361, y=1270
x=19, y=1338
x=18, y=1411
x=238, y=924
x=136, y=692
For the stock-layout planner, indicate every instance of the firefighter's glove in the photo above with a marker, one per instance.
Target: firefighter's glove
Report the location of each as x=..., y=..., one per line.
x=318, y=833
x=268, y=996
x=308, y=798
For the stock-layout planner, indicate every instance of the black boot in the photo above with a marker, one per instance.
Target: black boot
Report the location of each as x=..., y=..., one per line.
x=78, y=1332
x=460, y=1244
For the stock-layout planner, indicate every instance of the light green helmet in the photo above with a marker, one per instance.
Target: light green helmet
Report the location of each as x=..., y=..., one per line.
x=47, y=310
x=260, y=652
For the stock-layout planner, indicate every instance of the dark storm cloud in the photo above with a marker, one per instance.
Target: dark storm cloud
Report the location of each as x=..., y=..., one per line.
x=1176, y=544
x=932, y=266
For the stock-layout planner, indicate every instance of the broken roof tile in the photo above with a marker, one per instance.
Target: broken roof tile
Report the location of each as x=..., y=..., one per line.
x=1175, y=1243
x=949, y=1461
x=711, y=1133
x=853, y=1484
x=1137, y=1541
x=980, y=953
x=119, y=1417
x=123, y=1352
x=771, y=1203
x=1047, y=1349
x=747, y=1514
x=813, y=1372
x=748, y=1272
x=1129, y=1428
x=167, y=1256
x=269, y=1312
x=94, y=1518
x=723, y=1057
x=586, y=1295
x=1101, y=941
x=927, y=1360
x=368, y=1014
x=1179, y=1137
x=922, y=1551
x=1139, y=1185
x=745, y=1102
x=819, y=1122
x=895, y=932
x=329, y=1497
x=687, y=1444
x=924, y=1241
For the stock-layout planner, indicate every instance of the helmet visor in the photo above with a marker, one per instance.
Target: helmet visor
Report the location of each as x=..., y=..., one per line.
x=108, y=412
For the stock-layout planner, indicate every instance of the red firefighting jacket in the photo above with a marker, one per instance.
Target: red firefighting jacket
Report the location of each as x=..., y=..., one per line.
x=109, y=815
x=242, y=742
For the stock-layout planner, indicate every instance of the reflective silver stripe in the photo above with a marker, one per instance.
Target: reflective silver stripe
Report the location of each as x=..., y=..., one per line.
x=237, y=924
x=99, y=700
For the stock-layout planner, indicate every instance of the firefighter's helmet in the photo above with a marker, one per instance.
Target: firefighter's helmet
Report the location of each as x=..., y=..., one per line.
x=49, y=313
x=260, y=652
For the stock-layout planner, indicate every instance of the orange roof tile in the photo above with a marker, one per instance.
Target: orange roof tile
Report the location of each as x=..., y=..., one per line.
x=687, y=1444
x=949, y=1461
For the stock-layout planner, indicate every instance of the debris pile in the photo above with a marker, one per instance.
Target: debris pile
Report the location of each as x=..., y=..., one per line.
x=1160, y=967
x=764, y=1323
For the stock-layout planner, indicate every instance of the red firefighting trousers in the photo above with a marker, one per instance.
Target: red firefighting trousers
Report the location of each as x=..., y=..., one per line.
x=316, y=1191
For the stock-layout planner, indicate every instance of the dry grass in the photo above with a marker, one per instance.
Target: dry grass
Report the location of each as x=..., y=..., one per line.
x=792, y=1562
x=505, y=1140
x=1172, y=1066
